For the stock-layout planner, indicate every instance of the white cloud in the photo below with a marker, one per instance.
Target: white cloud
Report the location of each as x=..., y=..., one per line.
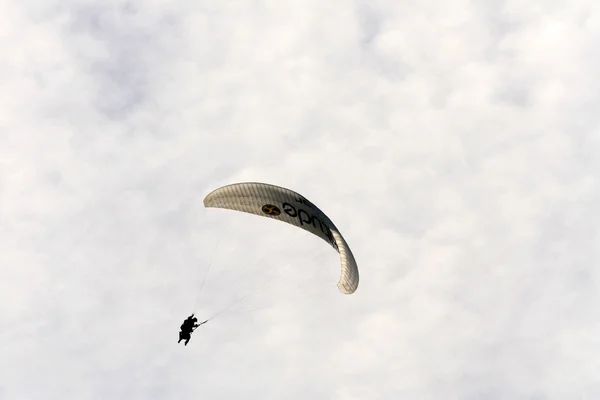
x=453, y=144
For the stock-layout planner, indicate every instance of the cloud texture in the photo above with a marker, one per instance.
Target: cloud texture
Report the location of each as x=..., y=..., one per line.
x=453, y=143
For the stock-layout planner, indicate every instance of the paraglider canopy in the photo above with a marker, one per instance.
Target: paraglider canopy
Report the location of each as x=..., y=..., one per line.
x=285, y=205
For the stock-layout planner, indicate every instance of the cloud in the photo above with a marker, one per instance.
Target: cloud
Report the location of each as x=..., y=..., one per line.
x=453, y=145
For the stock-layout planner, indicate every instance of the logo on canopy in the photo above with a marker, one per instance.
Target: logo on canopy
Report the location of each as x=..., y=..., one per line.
x=270, y=209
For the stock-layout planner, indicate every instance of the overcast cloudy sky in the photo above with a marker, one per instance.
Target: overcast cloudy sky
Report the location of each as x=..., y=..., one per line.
x=454, y=143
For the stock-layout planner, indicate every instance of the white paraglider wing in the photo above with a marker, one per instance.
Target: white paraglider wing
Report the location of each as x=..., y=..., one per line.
x=288, y=206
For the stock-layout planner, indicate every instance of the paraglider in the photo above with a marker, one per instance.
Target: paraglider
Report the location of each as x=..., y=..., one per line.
x=285, y=205
x=188, y=326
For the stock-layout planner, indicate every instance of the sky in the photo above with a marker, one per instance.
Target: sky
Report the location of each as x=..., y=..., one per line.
x=453, y=144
